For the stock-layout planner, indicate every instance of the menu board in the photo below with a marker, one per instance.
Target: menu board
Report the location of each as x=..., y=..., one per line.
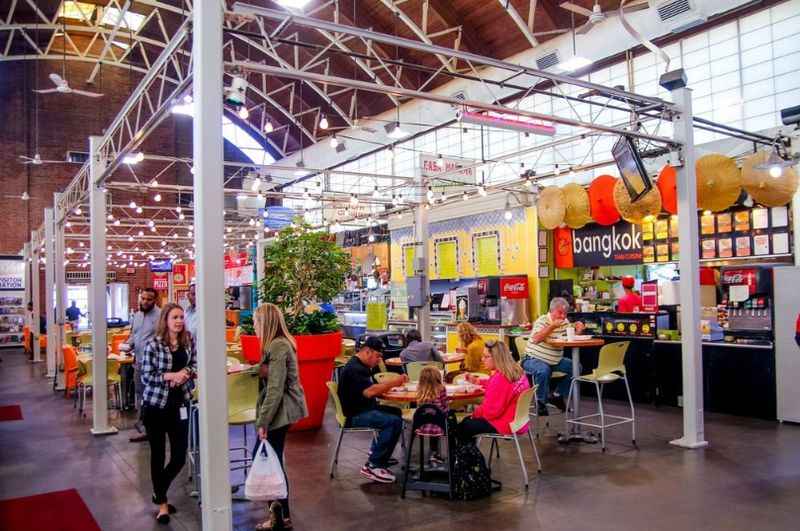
x=673, y=227
x=648, y=254
x=760, y=218
x=724, y=222
x=761, y=244
x=741, y=221
x=675, y=251
x=662, y=229
x=707, y=224
x=647, y=231
x=708, y=248
x=743, y=246
x=780, y=216
x=780, y=243
x=662, y=252
x=725, y=247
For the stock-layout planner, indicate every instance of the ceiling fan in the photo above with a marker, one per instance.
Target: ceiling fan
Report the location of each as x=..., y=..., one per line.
x=24, y=196
x=37, y=160
x=63, y=87
x=596, y=14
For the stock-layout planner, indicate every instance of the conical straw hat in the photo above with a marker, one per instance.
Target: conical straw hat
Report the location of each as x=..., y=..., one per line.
x=551, y=207
x=576, y=202
x=719, y=182
x=647, y=205
x=762, y=187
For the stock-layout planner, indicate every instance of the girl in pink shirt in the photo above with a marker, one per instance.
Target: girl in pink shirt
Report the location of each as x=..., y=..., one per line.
x=499, y=405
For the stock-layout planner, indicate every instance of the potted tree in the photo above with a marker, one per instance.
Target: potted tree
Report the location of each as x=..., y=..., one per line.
x=251, y=347
x=303, y=269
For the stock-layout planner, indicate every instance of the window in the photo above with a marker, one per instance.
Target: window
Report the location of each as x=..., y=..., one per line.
x=446, y=258
x=131, y=21
x=409, y=253
x=76, y=10
x=486, y=253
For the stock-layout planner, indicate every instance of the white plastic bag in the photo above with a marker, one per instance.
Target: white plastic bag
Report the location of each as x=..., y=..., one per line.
x=265, y=481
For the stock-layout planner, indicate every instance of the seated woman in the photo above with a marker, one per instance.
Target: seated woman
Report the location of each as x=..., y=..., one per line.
x=472, y=343
x=503, y=388
x=417, y=349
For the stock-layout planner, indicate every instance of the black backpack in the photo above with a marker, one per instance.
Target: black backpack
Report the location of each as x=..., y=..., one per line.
x=471, y=477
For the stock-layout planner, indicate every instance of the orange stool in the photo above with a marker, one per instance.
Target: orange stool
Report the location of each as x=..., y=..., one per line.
x=70, y=369
x=26, y=339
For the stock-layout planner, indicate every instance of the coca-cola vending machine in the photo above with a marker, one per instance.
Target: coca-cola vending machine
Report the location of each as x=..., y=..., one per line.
x=514, y=300
x=747, y=295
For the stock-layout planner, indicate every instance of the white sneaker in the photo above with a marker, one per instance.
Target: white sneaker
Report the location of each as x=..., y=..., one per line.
x=381, y=475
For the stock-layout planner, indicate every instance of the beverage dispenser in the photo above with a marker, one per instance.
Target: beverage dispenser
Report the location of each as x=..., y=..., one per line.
x=514, y=300
x=747, y=296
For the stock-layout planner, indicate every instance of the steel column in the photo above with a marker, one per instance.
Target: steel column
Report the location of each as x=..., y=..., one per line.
x=209, y=224
x=689, y=264
x=37, y=352
x=60, y=290
x=49, y=290
x=97, y=291
x=421, y=259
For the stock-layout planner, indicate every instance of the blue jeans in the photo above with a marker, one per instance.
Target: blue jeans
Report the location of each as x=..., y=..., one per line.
x=541, y=371
x=389, y=424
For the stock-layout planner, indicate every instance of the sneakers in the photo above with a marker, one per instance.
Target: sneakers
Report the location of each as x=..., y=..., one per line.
x=378, y=474
x=558, y=401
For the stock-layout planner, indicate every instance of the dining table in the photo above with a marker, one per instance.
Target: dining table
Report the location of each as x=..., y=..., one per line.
x=123, y=360
x=575, y=434
x=408, y=393
x=447, y=357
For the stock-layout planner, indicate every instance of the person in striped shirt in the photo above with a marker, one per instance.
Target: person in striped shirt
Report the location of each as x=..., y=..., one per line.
x=541, y=358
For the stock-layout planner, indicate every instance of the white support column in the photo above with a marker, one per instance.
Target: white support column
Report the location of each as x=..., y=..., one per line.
x=26, y=256
x=37, y=307
x=49, y=290
x=61, y=292
x=209, y=222
x=97, y=290
x=794, y=149
x=421, y=261
x=693, y=424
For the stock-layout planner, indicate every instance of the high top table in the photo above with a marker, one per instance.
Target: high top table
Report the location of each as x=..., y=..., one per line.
x=575, y=433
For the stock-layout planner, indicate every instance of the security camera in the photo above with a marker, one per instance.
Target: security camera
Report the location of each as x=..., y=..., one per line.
x=791, y=116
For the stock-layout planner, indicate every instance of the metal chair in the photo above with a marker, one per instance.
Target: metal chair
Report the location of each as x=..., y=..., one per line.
x=521, y=420
x=333, y=389
x=414, y=368
x=522, y=345
x=610, y=368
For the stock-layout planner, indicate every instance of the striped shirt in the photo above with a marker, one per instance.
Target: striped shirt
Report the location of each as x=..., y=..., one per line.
x=542, y=350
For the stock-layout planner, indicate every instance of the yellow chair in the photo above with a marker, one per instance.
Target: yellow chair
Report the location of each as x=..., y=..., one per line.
x=85, y=342
x=522, y=344
x=242, y=398
x=85, y=372
x=610, y=368
x=521, y=420
x=414, y=368
x=333, y=389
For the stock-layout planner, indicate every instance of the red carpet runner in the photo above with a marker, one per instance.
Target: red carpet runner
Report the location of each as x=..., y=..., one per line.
x=62, y=510
x=10, y=413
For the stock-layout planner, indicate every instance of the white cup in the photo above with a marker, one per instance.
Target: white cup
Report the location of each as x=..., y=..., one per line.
x=570, y=333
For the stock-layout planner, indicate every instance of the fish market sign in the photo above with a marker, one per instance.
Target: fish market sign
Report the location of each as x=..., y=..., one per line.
x=598, y=245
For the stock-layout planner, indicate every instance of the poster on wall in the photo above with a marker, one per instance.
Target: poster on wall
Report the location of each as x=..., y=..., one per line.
x=180, y=275
x=161, y=281
x=12, y=274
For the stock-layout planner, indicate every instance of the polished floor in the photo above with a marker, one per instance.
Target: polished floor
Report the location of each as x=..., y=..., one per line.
x=749, y=477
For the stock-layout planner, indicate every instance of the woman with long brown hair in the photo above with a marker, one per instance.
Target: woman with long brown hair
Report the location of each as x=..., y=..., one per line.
x=472, y=345
x=168, y=364
x=281, y=400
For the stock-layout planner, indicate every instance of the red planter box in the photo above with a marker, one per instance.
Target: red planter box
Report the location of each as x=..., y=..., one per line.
x=251, y=349
x=315, y=356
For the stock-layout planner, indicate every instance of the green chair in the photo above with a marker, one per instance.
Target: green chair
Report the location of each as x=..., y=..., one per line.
x=610, y=368
x=333, y=389
x=242, y=398
x=85, y=375
x=521, y=420
x=414, y=368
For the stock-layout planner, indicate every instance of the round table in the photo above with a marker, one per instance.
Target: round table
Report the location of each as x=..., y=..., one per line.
x=399, y=394
x=575, y=430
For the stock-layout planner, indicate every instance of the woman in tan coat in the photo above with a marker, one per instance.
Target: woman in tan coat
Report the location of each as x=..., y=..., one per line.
x=281, y=400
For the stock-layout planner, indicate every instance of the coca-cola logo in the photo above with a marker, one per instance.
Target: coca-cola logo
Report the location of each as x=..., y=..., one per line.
x=515, y=287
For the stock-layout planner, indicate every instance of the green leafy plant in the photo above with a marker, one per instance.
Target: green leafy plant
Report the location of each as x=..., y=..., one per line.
x=303, y=268
x=247, y=326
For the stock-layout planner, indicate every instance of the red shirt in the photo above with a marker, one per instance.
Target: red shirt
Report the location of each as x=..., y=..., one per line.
x=629, y=303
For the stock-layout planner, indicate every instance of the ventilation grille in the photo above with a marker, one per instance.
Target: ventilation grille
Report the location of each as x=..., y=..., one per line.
x=669, y=10
x=548, y=61
x=86, y=276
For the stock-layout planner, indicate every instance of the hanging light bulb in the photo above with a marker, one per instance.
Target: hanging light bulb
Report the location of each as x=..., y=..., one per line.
x=139, y=210
x=157, y=198
x=268, y=127
x=178, y=209
x=334, y=142
x=265, y=214
x=116, y=223
x=181, y=216
x=323, y=123
x=390, y=152
x=251, y=222
x=243, y=113
x=154, y=183
x=132, y=204
x=375, y=193
x=507, y=215
x=482, y=190
x=465, y=196
x=141, y=233
x=68, y=224
x=305, y=193
x=371, y=238
x=429, y=193
x=110, y=217
x=152, y=229
x=78, y=211
x=556, y=171
x=571, y=173
x=395, y=201
x=130, y=238
x=163, y=243
x=354, y=200
x=256, y=184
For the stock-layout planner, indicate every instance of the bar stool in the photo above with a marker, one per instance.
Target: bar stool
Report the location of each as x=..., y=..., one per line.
x=610, y=368
x=522, y=345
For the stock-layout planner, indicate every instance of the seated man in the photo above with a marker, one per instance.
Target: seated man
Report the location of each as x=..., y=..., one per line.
x=417, y=349
x=541, y=358
x=357, y=393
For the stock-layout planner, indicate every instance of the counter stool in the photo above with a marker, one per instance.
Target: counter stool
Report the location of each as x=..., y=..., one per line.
x=242, y=398
x=610, y=368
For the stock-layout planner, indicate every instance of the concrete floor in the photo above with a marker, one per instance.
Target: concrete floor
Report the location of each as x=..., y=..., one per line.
x=749, y=477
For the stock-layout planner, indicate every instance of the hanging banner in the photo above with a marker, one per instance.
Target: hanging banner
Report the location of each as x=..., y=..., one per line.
x=432, y=166
x=180, y=275
x=160, y=281
x=599, y=245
